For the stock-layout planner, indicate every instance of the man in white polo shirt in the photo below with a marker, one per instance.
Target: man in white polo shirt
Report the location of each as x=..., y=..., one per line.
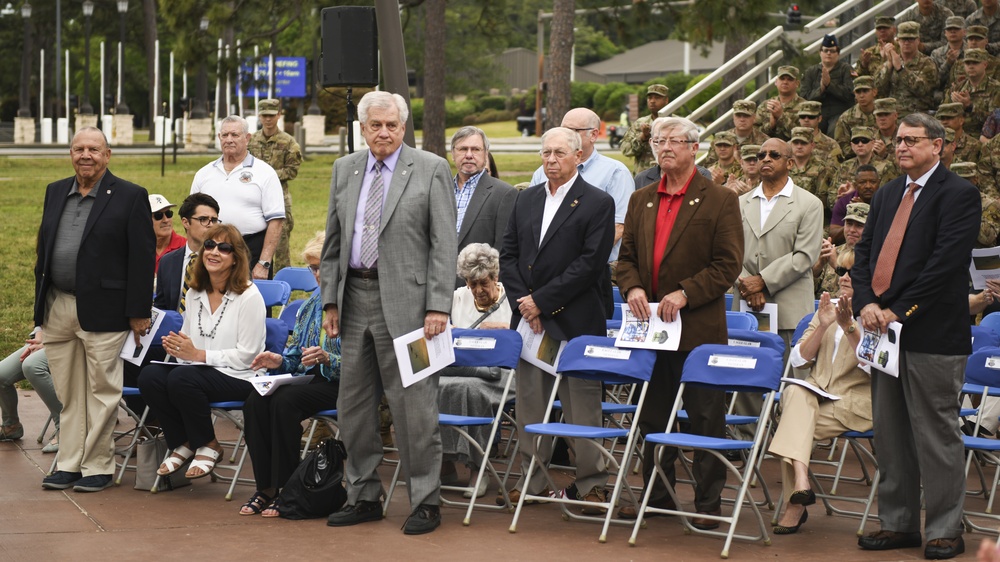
x=249, y=194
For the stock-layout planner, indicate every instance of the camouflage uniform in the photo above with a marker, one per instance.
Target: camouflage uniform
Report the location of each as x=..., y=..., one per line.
x=961, y=8
x=992, y=24
x=846, y=172
x=967, y=148
x=989, y=166
x=756, y=137
x=931, y=25
x=814, y=177
x=634, y=147
x=946, y=70
x=734, y=168
x=853, y=117
x=789, y=118
x=985, y=98
x=284, y=155
x=989, y=228
x=827, y=149
x=913, y=86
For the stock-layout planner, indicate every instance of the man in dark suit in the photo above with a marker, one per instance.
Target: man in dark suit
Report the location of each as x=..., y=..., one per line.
x=93, y=278
x=199, y=212
x=483, y=202
x=555, y=252
x=682, y=248
x=388, y=269
x=911, y=266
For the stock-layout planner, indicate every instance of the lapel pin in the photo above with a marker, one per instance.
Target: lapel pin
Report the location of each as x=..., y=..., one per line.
x=355, y=172
x=574, y=203
x=109, y=192
x=650, y=204
x=691, y=203
x=404, y=172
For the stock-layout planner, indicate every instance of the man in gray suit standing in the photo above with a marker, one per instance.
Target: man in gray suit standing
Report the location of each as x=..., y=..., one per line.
x=483, y=202
x=388, y=268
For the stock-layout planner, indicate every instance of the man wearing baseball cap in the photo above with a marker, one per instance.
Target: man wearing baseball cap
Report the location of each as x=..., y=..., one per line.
x=952, y=51
x=635, y=143
x=978, y=93
x=932, y=17
x=907, y=74
x=779, y=115
x=987, y=16
x=967, y=147
x=745, y=128
x=871, y=58
x=163, y=226
x=861, y=114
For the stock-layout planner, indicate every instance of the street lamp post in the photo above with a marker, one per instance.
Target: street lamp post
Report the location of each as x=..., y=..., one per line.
x=24, y=101
x=122, y=108
x=201, y=82
x=85, y=107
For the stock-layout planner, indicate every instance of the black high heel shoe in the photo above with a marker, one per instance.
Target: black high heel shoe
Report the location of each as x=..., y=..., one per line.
x=782, y=530
x=802, y=497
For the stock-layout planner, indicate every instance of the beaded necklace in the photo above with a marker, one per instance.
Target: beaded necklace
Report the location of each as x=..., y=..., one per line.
x=222, y=313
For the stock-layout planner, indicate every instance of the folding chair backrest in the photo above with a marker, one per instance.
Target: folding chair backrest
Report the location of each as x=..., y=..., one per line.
x=298, y=278
x=277, y=335
x=740, y=320
x=983, y=337
x=172, y=322
x=991, y=321
x=750, y=338
x=800, y=328
x=983, y=367
x=729, y=301
x=736, y=368
x=275, y=293
x=486, y=348
x=597, y=358
x=291, y=312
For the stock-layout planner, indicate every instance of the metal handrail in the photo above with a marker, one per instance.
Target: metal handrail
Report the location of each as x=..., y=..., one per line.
x=865, y=17
x=821, y=20
x=736, y=86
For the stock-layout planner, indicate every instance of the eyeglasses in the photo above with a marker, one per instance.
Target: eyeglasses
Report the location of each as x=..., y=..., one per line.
x=314, y=268
x=206, y=221
x=774, y=154
x=861, y=140
x=472, y=149
x=158, y=215
x=841, y=271
x=808, y=117
x=559, y=154
x=391, y=126
x=910, y=141
x=223, y=247
x=673, y=143
x=830, y=50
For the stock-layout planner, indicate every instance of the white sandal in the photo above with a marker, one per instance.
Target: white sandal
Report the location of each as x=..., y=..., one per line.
x=206, y=466
x=177, y=458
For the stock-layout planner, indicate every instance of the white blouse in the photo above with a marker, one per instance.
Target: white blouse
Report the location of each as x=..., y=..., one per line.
x=233, y=335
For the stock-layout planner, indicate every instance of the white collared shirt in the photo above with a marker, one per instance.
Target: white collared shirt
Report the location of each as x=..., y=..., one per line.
x=921, y=181
x=552, y=203
x=767, y=205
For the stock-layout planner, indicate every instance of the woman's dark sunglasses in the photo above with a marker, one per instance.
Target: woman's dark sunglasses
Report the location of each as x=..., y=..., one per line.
x=224, y=247
x=841, y=271
x=158, y=215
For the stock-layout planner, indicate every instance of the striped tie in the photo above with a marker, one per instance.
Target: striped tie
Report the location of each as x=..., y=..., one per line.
x=373, y=219
x=188, y=275
x=887, y=256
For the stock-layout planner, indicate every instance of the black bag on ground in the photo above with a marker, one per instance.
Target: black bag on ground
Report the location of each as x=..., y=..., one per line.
x=316, y=488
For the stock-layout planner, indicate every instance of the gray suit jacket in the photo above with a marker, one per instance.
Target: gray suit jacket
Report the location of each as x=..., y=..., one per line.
x=417, y=244
x=486, y=216
x=783, y=251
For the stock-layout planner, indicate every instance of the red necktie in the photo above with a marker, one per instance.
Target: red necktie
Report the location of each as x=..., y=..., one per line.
x=890, y=248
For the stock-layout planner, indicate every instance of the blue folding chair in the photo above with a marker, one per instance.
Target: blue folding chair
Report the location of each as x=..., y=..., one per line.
x=593, y=358
x=740, y=320
x=991, y=321
x=729, y=301
x=984, y=336
x=726, y=368
x=275, y=293
x=290, y=313
x=753, y=338
x=298, y=278
x=982, y=373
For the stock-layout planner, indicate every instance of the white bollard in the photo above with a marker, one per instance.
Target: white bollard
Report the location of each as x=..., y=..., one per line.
x=46, y=129
x=62, y=130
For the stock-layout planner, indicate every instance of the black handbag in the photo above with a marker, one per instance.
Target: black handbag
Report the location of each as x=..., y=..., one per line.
x=316, y=487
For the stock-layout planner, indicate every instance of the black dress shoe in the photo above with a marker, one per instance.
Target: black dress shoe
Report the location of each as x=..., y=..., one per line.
x=942, y=549
x=888, y=540
x=361, y=512
x=802, y=497
x=782, y=530
x=424, y=519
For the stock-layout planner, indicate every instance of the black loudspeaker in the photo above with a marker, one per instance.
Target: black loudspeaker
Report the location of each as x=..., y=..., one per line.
x=350, y=46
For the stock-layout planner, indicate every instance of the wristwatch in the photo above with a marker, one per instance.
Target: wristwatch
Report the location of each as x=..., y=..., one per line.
x=266, y=264
x=852, y=328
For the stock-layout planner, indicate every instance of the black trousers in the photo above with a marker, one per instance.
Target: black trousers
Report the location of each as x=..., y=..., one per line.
x=274, y=427
x=179, y=397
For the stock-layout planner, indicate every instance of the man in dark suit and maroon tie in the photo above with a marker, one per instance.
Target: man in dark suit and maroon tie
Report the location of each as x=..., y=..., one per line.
x=911, y=266
x=682, y=248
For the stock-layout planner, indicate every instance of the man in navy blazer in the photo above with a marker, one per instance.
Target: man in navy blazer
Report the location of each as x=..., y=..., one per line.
x=93, y=278
x=199, y=212
x=925, y=289
x=555, y=252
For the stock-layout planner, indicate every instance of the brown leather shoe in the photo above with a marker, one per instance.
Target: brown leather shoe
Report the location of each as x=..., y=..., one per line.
x=515, y=496
x=942, y=549
x=596, y=495
x=704, y=524
x=631, y=512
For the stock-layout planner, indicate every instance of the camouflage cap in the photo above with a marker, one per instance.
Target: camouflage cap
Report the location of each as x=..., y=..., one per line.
x=864, y=83
x=744, y=107
x=949, y=110
x=268, y=106
x=949, y=135
x=862, y=133
x=857, y=212
x=885, y=21
x=788, y=71
x=908, y=30
x=158, y=202
x=658, y=90
x=976, y=55
x=724, y=137
x=978, y=31
x=954, y=22
x=804, y=134
x=749, y=151
x=810, y=108
x=885, y=105
x=965, y=169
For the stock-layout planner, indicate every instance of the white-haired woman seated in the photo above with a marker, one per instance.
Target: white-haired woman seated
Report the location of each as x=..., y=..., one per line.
x=473, y=391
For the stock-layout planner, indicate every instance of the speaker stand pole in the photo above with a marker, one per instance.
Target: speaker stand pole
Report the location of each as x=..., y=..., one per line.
x=350, y=122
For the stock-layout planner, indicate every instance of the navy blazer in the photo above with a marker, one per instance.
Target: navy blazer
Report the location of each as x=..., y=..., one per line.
x=562, y=272
x=168, y=279
x=930, y=283
x=117, y=256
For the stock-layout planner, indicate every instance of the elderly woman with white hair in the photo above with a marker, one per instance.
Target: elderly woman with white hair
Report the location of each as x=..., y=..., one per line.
x=473, y=391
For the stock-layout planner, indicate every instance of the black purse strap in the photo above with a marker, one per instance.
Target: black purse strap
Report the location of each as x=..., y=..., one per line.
x=489, y=311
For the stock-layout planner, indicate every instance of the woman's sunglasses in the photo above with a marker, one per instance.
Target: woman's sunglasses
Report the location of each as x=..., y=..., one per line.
x=224, y=247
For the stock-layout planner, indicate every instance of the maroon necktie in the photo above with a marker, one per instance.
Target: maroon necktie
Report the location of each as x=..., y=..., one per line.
x=890, y=248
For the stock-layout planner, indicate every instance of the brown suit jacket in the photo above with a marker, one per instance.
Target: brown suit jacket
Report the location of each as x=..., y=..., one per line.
x=841, y=375
x=703, y=255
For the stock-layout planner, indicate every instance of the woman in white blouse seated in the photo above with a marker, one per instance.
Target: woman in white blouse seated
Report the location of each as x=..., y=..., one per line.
x=473, y=391
x=222, y=333
x=827, y=346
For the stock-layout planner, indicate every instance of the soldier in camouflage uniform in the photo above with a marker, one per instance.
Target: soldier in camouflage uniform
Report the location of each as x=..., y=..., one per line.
x=931, y=16
x=825, y=271
x=726, y=162
x=951, y=52
x=885, y=128
x=989, y=167
x=907, y=74
x=807, y=170
x=948, y=148
x=871, y=58
x=967, y=147
x=280, y=150
x=987, y=16
x=750, y=177
x=977, y=93
x=778, y=116
x=827, y=149
x=961, y=8
x=989, y=228
x=862, y=140
x=635, y=143
x=861, y=114
x=745, y=130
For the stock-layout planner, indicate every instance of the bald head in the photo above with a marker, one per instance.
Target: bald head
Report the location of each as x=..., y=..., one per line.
x=587, y=124
x=774, y=164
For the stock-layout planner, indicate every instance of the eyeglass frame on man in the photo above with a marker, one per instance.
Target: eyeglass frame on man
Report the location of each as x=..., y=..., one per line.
x=673, y=143
x=910, y=141
x=211, y=220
